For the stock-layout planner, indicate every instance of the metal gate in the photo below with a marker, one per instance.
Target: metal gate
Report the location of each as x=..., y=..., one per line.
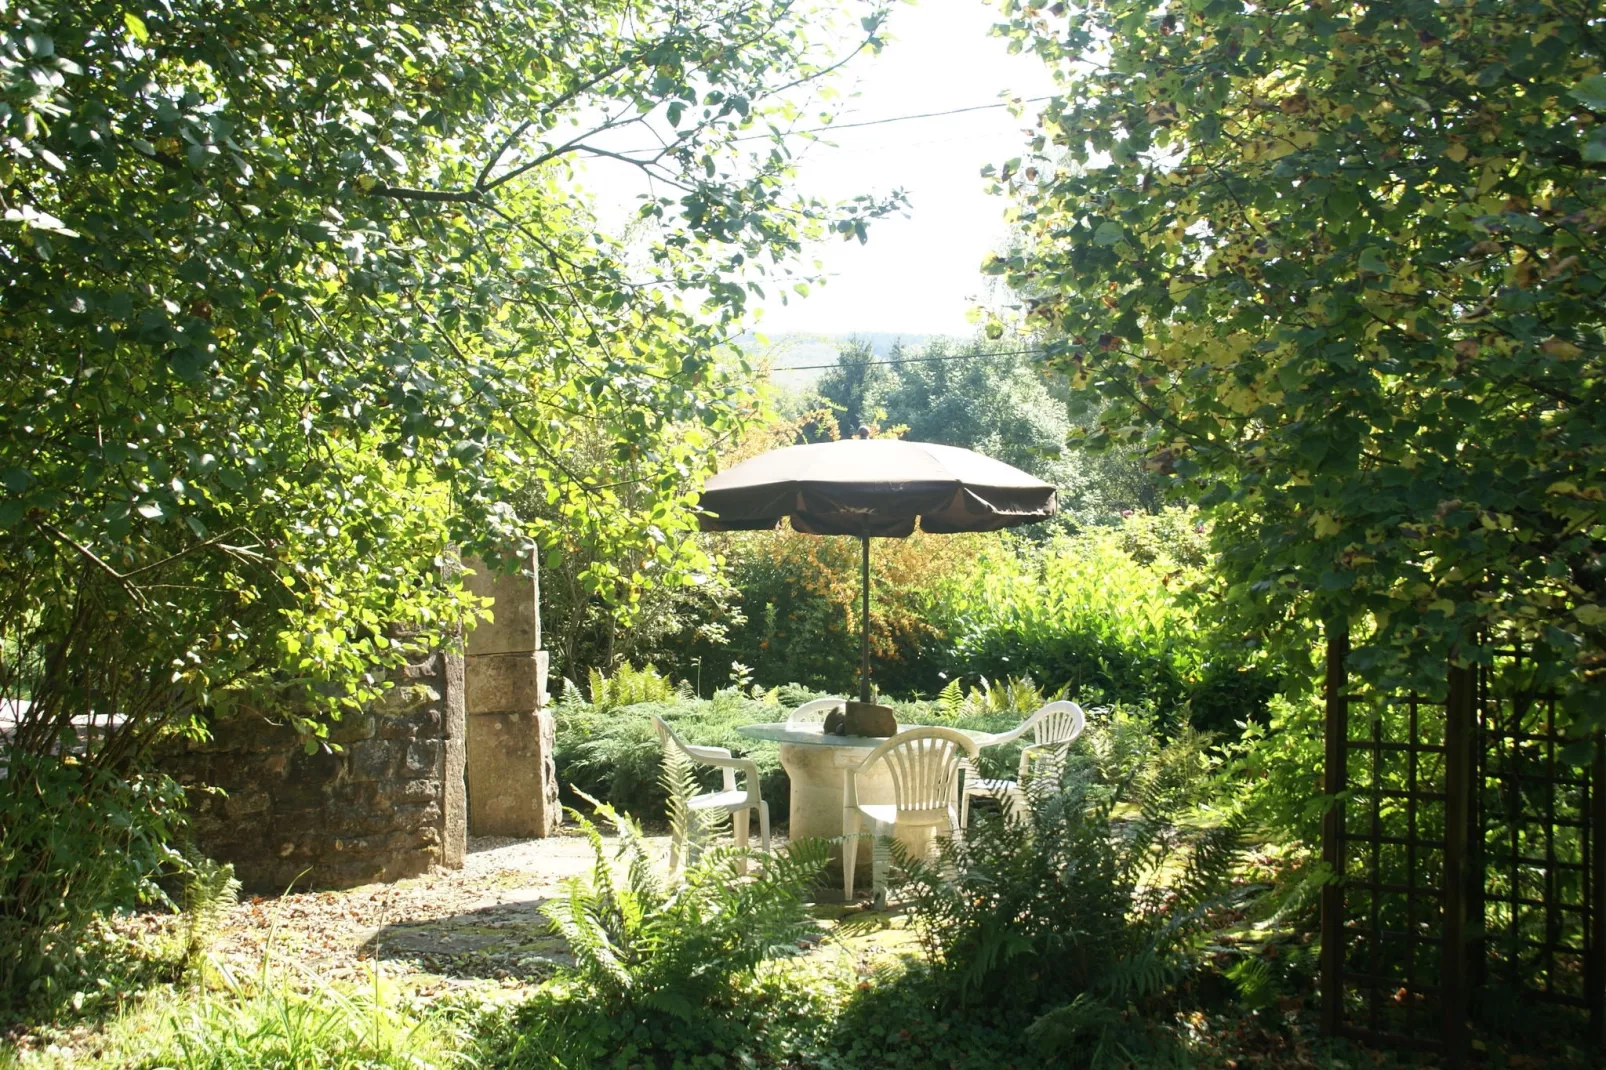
x=1469, y=884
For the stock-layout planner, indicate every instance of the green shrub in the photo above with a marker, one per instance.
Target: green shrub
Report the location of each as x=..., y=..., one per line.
x=1107, y=614
x=783, y=1016
x=1094, y=899
x=210, y=890
x=613, y=754
x=1112, y=614
x=1080, y=613
x=77, y=842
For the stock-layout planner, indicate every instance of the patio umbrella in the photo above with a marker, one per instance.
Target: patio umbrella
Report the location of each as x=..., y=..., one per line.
x=873, y=488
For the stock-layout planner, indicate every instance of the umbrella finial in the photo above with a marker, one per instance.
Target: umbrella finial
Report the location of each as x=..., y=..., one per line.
x=863, y=432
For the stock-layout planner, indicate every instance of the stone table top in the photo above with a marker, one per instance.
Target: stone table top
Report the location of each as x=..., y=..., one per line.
x=813, y=735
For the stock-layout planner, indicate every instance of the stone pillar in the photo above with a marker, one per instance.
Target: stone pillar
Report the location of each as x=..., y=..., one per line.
x=454, y=785
x=512, y=783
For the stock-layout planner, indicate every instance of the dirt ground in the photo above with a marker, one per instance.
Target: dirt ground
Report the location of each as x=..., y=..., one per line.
x=480, y=921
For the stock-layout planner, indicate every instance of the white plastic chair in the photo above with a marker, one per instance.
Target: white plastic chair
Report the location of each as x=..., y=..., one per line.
x=814, y=711
x=1053, y=728
x=924, y=767
x=733, y=800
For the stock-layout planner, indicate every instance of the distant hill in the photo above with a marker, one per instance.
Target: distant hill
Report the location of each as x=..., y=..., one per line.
x=795, y=349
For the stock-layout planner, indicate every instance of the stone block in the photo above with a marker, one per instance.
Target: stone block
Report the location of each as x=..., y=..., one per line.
x=515, y=624
x=350, y=874
x=421, y=790
x=352, y=727
x=425, y=721
x=512, y=783
x=405, y=698
x=387, y=800
x=423, y=758
x=422, y=668
x=505, y=683
x=247, y=803
x=374, y=759
x=417, y=816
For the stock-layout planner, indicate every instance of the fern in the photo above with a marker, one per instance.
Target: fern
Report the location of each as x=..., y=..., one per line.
x=677, y=945
x=210, y=890
x=1091, y=898
x=630, y=686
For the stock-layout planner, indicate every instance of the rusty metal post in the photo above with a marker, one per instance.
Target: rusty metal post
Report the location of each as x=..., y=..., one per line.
x=1334, y=779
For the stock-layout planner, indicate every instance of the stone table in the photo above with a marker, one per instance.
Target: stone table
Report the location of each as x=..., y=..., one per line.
x=814, y=763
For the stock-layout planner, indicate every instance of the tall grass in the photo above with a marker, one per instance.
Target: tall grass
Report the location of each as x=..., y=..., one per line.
x=282, y=1026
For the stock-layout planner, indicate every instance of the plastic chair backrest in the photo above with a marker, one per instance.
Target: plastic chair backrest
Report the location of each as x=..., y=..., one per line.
x=814, y=711
x=1044, y=763
x=1058, y=722
x=667, y=735
x=923, y=764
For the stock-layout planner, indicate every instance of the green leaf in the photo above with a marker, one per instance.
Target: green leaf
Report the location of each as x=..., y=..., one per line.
x=1108, y=233
x=1371, y=259
x=1595, y=148
x=136, y=27
x=1591, y=92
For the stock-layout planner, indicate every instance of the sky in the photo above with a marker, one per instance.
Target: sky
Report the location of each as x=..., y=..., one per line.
x=921, y=274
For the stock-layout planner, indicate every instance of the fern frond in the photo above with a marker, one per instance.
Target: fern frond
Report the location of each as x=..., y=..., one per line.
x=210, y=889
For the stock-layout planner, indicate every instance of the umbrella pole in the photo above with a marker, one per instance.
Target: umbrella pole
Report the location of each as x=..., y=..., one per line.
x=864, y=623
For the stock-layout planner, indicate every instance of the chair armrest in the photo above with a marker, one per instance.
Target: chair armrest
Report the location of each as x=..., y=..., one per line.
x=1006, y=737
x=720, y=758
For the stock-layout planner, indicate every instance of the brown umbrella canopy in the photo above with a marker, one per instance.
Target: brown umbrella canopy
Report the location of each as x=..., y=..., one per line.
x=874, y=487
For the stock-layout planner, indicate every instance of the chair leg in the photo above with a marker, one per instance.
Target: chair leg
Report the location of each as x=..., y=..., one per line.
x=739, y=827
x=880, y=855
x=764, y=825
x=695, y=831
x=964, y=807
x=850, y=851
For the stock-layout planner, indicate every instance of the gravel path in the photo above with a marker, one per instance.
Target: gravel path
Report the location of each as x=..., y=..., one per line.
x=480, y=921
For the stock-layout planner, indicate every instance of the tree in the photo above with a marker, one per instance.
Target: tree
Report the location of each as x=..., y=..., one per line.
x=995, y=398
x=295, y=292
x=980, y=396
x=1337, y=267
x=854, y=388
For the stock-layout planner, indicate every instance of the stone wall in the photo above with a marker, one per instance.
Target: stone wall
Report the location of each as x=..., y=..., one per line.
x=389, y=804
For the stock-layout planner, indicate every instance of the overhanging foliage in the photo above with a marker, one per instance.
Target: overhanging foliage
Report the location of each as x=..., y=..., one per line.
x=1338, y=266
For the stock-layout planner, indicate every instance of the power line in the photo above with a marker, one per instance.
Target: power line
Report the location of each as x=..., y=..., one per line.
x=828, y=127
x=901, y=118
x=918, y=360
